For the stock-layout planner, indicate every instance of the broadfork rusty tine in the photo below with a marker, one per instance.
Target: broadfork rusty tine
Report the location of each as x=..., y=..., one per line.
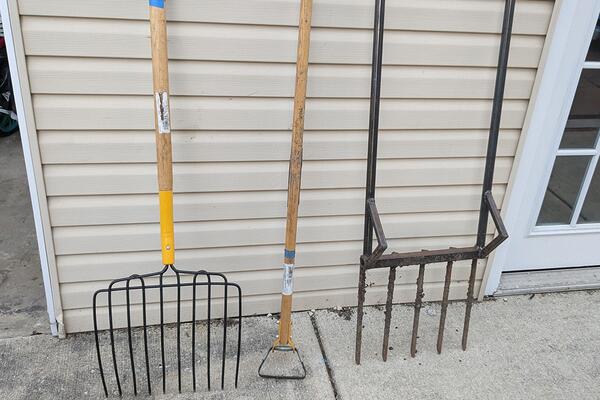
x=444, y=309
x=469, y=304
x=388, y=313
x=129, y=338
x=418, y=303
x=362, y=278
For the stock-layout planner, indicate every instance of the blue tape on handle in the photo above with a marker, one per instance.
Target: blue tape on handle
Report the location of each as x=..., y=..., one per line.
x=289, y=254
x=157, y=3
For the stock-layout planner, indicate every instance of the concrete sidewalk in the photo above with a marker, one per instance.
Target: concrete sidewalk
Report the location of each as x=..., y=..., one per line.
x=545, y=347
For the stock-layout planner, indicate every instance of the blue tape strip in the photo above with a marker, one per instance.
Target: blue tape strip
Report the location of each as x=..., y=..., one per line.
x=157, y=3
x=290, y=254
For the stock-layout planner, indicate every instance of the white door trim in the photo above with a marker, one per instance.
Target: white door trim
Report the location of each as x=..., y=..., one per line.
x=35, y=180
x=560, y=67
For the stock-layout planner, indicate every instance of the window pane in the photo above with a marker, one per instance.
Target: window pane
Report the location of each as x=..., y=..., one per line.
x=591, y=206
x=579, y=138
x=594, y=51
x=587, y=99
x=563, y=189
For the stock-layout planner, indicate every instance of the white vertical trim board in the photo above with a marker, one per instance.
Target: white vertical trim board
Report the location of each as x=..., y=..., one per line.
x=25, y=129
x=562, y=60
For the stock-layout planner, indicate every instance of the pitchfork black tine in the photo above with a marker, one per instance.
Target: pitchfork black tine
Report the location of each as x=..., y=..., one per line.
x=209, y=294
x=239, y=345
x=225, y=287
x=388, y=313
x=145, y=322
x=178, y=328
x=194, y=330
x=444, y=309
x=100, y=367
x=112, y=337
x=129, y=338
x=162, y=331
x=418, y=302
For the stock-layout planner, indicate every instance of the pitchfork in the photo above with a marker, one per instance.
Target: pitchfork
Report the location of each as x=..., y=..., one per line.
x=170, y=280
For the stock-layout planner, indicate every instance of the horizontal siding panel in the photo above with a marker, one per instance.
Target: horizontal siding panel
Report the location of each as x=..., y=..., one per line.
x=56, y=75
x=62, y=180
x=52, y=36
x=78, y=320
x=91, y=147
x=532, y=17
x=79, y=295
x=145, y=237
x=107, y=266
x=78, y=112
x=130, y=209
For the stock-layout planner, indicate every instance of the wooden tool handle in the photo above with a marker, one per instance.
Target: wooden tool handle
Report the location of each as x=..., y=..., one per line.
x=295, y=170
x=164, y=158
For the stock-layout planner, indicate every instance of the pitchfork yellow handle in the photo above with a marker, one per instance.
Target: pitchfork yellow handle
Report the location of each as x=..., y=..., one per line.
x=167, y=234
x=164, y=157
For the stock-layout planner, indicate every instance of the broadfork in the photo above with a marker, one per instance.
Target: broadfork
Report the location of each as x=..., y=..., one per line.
x=283, y=341
x=170, y=281
x=375, y=258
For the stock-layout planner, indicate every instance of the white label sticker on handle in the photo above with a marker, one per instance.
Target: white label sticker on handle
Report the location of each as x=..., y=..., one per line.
x=288, y=279
x=162, y=112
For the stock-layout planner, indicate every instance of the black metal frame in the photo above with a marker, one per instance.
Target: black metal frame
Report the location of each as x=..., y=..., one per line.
x=124, y=284
x=372, y=259
x=285, y=349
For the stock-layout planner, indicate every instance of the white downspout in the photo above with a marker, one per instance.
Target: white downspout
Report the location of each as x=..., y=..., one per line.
x=31, y=178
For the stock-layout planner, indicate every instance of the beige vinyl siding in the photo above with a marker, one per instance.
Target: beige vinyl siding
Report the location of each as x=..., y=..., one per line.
x=232, y=77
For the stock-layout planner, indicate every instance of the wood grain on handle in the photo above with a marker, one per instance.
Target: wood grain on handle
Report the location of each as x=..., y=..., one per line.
x=295, y=167
x=160, y=74
x=295, y=170
x=162, y=120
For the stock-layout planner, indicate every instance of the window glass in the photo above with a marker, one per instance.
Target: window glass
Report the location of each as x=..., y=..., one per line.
x=579, y=138
x=590, y=211
x=594, y=51
x=563, y=189
x=586, y=105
